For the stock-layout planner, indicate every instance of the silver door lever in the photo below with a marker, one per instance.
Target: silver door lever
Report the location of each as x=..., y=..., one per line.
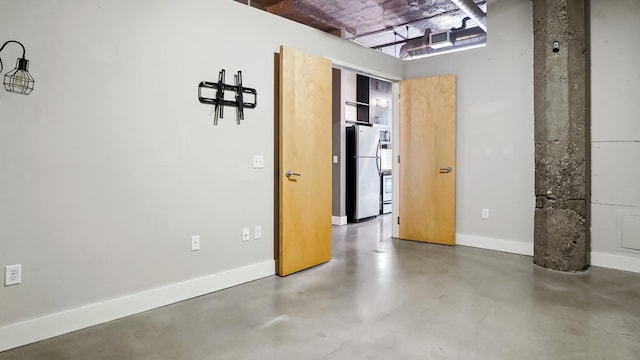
x=446, y=170
x=290, y=173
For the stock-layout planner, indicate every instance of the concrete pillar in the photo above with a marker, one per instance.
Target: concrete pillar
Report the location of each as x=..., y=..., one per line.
x=562, y=134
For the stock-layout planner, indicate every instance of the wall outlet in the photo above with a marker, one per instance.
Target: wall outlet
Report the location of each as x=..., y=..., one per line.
x=257, y=232
x=12, y=275
x=485, y=213
x=258, y=161
x=195, y=242
x=245, y=234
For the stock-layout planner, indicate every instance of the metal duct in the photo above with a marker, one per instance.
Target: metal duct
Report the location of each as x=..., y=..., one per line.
x=462, y=39
x=468, y=34
x=416, y=45
x=472, y=9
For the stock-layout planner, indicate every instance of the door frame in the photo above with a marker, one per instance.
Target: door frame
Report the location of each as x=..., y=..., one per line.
x=395, y=136
x=395, y=142
x=341, y=65
x=395, y=128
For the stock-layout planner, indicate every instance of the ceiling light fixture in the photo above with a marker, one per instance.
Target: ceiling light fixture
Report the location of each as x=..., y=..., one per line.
x=18, y=80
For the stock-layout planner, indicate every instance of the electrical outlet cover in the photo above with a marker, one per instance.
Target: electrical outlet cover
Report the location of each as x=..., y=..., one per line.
x=245, y=234
x=258, y=161
x=12, y=275
x=257, y=232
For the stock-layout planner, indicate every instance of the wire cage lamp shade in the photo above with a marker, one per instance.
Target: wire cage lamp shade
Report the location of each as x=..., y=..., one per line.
x=18, y=80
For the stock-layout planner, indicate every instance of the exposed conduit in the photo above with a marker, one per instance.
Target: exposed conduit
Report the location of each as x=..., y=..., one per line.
x=474, y=12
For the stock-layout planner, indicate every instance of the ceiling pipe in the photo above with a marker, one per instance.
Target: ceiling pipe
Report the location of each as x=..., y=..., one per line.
x=376, y=32
x=385, y=30
x=474, y=12
x=398, y=42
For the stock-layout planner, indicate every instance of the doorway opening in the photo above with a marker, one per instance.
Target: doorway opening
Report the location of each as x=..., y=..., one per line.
x=363, y=146
x=308, y=103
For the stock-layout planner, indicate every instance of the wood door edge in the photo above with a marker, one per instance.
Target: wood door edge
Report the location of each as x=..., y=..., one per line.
x=276, y=171
x=291, y=272
x=428, y=242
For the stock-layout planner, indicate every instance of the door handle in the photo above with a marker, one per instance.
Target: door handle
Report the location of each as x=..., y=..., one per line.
x=446, y=170
x=290, y=173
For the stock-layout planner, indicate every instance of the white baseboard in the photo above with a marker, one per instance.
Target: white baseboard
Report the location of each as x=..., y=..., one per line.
x=26, y=332
x=618, y=262
x=611, y=261
x=339, y=220
x=508, y=246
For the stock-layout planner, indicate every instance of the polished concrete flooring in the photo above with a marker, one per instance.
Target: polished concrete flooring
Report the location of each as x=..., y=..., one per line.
x=384, y=299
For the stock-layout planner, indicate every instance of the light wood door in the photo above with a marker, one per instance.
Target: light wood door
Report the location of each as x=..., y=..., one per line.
x=428, y=160
x=305, y=154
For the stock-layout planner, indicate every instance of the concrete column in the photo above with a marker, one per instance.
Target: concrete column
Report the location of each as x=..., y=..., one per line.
x=562, y=134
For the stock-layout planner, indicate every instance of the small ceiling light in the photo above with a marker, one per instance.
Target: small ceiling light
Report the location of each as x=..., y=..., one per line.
x=18, y=80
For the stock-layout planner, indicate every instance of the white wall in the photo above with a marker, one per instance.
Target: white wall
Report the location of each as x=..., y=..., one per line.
x=615, y=78
x=495, y=132
x=111, y=164
x=495, y=146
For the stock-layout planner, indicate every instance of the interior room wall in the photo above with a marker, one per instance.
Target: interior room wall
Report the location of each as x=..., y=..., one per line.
x=111, y=164
x=345, y=82
x=338, y=142
x=495, y=132
x=495, y=148
x=615, y=223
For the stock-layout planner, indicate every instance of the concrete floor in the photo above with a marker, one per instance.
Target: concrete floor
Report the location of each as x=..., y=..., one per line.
x=384, y=299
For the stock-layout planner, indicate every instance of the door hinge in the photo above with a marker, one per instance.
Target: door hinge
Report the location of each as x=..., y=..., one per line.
x=398, y=220
x=398, y=159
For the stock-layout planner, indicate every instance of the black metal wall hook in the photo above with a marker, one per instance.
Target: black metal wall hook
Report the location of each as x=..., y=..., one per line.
x=219, y=102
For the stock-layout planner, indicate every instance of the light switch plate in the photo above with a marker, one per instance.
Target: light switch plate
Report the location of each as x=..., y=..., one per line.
x=195, y=242
x=245, y=234
x=257, y=232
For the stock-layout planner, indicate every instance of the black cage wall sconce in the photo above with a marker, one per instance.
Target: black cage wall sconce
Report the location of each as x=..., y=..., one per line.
x=18, y=80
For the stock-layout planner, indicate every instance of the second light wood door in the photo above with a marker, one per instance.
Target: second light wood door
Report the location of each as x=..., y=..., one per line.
x=304, y=161
x=428, y=160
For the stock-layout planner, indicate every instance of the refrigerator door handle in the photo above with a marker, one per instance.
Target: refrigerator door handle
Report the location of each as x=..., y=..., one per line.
x=379, y=157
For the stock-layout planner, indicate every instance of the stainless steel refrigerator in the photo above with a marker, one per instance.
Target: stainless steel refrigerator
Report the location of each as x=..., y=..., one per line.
x=363, y=172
